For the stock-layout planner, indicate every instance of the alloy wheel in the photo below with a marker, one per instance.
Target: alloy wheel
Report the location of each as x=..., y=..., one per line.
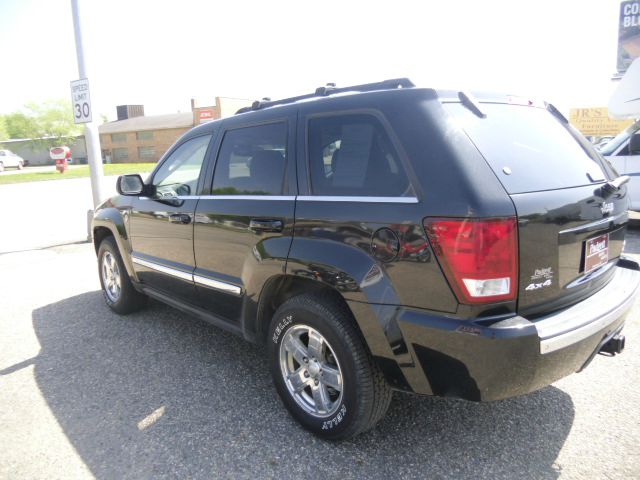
x=111, y=276
x=311, y=371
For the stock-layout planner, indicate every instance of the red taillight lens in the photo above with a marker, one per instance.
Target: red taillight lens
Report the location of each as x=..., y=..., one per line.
x=479, y=256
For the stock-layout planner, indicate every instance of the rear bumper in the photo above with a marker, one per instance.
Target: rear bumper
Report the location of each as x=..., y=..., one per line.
x=512, y=356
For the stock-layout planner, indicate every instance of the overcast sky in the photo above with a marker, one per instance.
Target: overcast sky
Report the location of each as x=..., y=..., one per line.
x=161, y=56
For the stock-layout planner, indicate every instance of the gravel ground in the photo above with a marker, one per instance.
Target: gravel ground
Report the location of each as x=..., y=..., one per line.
x=85, y=393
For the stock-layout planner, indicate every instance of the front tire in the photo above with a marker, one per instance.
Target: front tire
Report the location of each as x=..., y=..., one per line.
x=322, y=369
x=20, y=165
x=117, y=288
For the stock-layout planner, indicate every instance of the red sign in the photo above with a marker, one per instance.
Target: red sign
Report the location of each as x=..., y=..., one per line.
x=205, y=115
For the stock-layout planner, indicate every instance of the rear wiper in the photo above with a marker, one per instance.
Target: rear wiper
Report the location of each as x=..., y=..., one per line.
x=613, y=186
x=556, y=113
x=471, y=104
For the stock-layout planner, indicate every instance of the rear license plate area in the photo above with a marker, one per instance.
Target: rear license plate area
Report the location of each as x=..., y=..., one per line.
x=596, y=253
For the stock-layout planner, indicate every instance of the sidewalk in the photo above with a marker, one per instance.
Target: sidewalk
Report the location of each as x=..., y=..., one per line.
x=41, y=214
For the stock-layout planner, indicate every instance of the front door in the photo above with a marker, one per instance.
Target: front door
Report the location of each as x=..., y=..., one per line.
x=244, y=229
x=161, y=227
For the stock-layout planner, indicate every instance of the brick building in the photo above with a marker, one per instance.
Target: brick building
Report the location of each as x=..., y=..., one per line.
x=135, y=137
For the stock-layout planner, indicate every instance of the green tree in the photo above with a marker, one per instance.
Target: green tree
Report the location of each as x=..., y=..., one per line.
x=47, y=124
x=4, y=133
x=19, y=125
x=53, y=122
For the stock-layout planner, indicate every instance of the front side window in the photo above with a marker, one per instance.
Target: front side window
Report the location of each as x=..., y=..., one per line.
x=179, y=173
x=352, y=155
x=252, y=161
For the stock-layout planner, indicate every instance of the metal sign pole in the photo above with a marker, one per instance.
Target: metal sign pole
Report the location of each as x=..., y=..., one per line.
x=91, y=136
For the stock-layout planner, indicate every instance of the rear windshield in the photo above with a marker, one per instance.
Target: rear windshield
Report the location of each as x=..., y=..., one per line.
x=528, y=148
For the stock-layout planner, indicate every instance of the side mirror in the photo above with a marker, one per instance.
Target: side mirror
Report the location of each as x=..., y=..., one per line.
x=634, y=144
x=130, y=185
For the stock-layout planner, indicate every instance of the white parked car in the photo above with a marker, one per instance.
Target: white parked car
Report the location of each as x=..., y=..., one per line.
x=624, y=153
x=10, y=159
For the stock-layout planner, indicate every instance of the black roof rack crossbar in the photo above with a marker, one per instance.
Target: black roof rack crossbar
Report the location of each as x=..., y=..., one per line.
x=331, y=89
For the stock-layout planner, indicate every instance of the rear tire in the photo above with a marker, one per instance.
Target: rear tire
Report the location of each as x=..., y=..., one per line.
x=117, y=289
x=322, y=370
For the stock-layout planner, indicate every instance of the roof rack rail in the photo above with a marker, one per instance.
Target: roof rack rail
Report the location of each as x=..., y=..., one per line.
x=331, y=89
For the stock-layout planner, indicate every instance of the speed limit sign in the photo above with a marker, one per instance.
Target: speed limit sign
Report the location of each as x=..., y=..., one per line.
x=81, y=101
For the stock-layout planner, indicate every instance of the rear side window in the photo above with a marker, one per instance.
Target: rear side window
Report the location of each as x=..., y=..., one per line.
x=352, y=155
x=528, y=148
x=252, y=161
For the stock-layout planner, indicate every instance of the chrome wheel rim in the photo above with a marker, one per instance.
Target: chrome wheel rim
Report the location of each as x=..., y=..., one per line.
x=111, y=280
x=311, y=371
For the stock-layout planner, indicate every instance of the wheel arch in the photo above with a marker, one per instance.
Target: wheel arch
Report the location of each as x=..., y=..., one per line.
x=280, y=288
x=108, y=222
x=370, y=320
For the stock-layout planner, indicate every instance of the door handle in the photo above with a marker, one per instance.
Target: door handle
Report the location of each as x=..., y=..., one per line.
x=183, y=218
x=260, y=225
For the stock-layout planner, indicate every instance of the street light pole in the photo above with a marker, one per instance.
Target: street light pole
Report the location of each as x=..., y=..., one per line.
x=91, y=135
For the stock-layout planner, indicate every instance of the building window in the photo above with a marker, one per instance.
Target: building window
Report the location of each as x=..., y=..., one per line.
x=144, y=135
x=118, y=137
x=147, y=152
x=120, y=154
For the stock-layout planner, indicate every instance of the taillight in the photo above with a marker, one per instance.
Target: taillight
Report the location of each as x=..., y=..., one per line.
x=479, y=256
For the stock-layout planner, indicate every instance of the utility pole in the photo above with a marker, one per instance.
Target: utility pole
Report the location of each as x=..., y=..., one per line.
x=91, y=136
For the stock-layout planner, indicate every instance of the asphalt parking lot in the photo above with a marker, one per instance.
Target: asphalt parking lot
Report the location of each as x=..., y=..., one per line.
x=85, y=393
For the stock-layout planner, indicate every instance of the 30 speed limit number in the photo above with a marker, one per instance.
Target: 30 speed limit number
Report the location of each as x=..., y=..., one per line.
x=81, y=101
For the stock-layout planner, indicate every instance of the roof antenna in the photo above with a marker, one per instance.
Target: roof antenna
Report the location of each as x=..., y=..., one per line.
x=322, y=91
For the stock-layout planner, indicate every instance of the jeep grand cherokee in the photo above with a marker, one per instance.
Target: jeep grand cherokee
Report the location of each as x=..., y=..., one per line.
x=383, y=237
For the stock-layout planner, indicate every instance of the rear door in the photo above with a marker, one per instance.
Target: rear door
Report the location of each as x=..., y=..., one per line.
x=570, y=229
x=244, y=228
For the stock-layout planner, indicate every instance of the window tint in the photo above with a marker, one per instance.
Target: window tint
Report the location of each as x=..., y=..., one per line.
x=538, y=150
x=252, y=161
x=351, y=155
x=179, y=173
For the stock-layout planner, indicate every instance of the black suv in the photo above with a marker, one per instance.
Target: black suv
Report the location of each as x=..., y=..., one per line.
x=383, y=237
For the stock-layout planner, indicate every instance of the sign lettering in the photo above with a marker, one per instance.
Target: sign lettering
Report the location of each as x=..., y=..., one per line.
x=81, y=101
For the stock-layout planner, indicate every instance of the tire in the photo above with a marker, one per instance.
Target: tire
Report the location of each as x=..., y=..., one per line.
x=117, y=288
x=1, y=167
x=334, y=407
x=20, y=166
